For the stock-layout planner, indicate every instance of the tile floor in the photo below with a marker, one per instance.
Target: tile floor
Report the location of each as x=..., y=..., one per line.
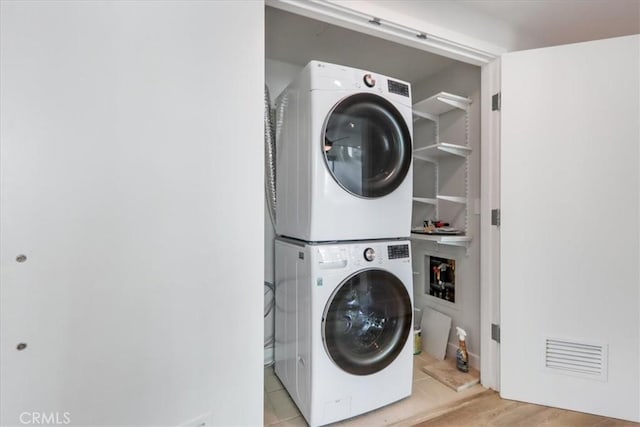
x=428, y=394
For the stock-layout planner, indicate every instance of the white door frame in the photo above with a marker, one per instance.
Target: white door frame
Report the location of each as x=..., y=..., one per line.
x=490, y=147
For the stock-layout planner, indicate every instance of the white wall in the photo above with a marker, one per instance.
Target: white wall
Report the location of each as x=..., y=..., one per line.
x=132, y=179
x=278, y=75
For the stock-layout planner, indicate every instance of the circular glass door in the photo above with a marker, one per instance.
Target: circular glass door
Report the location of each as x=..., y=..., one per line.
x=367, y=322
x=367, y=145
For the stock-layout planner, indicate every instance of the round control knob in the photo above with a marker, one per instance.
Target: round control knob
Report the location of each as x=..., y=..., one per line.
x=369, y=254
x=369, y=80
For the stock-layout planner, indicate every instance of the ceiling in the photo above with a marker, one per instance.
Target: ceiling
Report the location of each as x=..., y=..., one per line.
x=296, y=40
x=555, y=22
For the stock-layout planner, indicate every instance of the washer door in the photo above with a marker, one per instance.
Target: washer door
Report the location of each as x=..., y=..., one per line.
x=367, y=145
x=367, y=322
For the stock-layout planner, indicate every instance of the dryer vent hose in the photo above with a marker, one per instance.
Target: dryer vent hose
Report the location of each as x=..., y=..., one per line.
x=269, y=157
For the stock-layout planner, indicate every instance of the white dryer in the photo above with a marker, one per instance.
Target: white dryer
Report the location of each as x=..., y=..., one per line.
x=344, y=159
x=342, y=325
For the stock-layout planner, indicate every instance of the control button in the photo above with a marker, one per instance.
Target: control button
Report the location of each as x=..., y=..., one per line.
x=369, y=80
x=369, y=254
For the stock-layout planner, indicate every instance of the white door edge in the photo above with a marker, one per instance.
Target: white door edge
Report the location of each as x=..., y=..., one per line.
x=490, y=240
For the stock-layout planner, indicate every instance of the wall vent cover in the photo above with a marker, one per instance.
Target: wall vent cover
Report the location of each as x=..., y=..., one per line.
x=576, y=358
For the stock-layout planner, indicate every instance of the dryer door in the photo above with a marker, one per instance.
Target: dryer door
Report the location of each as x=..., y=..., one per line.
x=367, y=322
x=367, y=145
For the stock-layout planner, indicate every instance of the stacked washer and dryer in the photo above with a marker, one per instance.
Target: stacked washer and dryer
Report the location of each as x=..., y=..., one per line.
x=344, y=299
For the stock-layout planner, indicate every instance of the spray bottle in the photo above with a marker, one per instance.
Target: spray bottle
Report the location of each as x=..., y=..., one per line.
x=462, y=357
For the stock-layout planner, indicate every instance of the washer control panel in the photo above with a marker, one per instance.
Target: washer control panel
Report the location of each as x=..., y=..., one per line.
x=398, y=251
x=366, y=254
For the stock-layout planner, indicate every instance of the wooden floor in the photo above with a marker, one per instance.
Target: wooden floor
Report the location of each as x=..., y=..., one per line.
x=488, y=409
x=432, y=404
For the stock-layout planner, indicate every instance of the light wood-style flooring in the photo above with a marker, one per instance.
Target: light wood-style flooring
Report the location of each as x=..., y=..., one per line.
x=433, y=404
x=488, y=409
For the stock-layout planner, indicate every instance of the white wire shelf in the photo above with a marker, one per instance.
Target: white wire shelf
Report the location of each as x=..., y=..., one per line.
x=440, y=103
x=425, y=200
x=436, y=152
x=453, y=199
x=443, y=240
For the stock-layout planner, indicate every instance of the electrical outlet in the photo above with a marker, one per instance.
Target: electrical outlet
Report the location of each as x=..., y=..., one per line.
x=204, y=420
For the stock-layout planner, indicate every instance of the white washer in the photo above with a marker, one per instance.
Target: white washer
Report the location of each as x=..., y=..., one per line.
x=342, y=326
x=344, y=156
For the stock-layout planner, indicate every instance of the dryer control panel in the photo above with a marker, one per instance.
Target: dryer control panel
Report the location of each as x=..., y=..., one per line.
x=398, y=87
x=326, y=76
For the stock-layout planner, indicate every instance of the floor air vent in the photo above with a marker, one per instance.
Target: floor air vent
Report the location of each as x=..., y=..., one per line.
x=575, y=358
